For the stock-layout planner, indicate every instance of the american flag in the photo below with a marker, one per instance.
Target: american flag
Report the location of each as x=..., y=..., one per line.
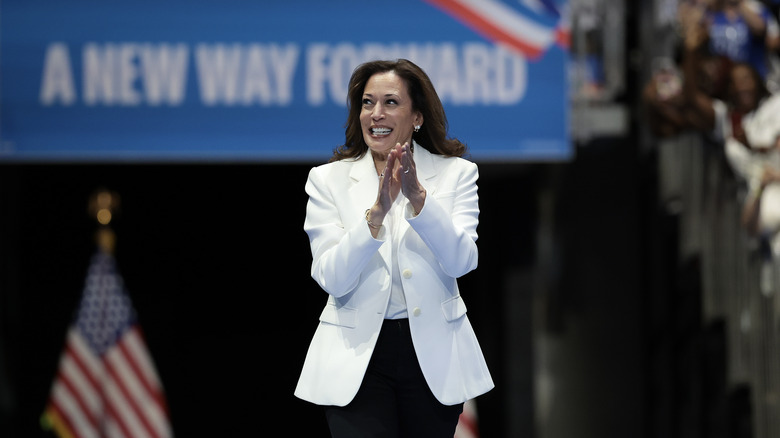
x=106, y=384
x=529, y=27
x=467, y=423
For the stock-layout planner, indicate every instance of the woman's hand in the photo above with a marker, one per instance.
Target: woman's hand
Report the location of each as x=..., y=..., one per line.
x=389, y=187
x=410, y=185
x=400, y=175
x=389, y=182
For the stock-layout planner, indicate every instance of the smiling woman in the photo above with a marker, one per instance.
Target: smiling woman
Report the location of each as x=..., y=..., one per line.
x=392, y=223
x=432, y=134
x=387, y=116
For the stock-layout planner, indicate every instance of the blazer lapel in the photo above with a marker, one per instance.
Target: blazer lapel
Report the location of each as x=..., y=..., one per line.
x=426, y=168
x=365, y=186
x=365, y=183
x=426, y=174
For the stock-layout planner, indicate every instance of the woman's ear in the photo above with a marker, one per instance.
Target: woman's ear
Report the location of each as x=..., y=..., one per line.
x=418, y=119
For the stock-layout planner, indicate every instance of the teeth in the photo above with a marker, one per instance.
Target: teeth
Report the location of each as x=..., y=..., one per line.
x=381, y=131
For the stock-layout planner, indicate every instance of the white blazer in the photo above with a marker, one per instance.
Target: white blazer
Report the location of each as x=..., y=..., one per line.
x=437, y=246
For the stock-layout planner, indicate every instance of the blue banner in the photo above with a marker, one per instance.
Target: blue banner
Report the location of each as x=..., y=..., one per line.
x=266, y=81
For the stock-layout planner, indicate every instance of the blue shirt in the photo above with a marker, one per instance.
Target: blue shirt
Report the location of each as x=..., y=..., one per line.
x=734, y=40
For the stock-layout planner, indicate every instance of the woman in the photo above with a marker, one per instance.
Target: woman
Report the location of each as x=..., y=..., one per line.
x=392, y=222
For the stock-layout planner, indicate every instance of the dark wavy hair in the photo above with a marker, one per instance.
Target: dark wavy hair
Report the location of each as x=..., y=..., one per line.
x=433, y=132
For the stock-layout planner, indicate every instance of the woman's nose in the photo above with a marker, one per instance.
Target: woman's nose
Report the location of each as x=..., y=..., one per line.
x=378, y=112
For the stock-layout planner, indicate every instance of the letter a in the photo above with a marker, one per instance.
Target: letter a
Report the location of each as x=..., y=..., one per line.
x=57, y=82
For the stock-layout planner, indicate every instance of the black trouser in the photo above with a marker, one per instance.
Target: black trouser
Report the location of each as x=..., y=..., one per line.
x=394, y=400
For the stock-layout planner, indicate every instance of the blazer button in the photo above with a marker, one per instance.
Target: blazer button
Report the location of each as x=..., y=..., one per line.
x=407, y=273
x=416, y=311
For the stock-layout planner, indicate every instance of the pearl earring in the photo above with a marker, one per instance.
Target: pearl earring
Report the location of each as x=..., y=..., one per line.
x=417, y=128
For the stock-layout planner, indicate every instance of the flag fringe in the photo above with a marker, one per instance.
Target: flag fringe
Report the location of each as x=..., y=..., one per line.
x=51, y=420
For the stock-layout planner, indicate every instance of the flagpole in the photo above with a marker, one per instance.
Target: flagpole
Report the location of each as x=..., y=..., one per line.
x=103, y=206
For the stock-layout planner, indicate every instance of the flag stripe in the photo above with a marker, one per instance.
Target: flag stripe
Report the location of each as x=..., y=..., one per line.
x=70, y=412
x=467, y=422
x=153, y=406
x=112, y=415
x=124, y=405
x=77, y=397
x=517, y=25
x=133, y=348
x=136, y=390
x=83, y=355
x=500, y=24
x=78, y=383
x=468, y=425
x=112, y=430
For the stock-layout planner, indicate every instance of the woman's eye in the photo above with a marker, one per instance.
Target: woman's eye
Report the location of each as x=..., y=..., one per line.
x=367, y=102
x=391, y=102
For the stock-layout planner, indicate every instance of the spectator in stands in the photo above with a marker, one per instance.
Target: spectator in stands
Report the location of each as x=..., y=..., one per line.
x=761, y=215
x=666, y=109
x=663, y=100
x=745, y=89
x=748, y=124
x=744, y=31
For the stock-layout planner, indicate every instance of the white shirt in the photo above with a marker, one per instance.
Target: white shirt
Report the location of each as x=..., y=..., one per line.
x=396, y=309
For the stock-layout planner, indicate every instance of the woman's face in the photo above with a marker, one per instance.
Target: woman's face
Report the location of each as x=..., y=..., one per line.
x=744, y=87
x=386, y=116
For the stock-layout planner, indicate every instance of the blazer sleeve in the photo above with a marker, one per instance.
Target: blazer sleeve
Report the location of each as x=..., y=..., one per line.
x=339, y=253
x=452, y=235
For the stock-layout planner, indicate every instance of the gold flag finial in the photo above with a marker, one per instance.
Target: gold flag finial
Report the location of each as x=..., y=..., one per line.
x=103, y=206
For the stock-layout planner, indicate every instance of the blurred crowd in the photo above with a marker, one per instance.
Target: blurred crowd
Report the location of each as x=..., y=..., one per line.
x=723, y=80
